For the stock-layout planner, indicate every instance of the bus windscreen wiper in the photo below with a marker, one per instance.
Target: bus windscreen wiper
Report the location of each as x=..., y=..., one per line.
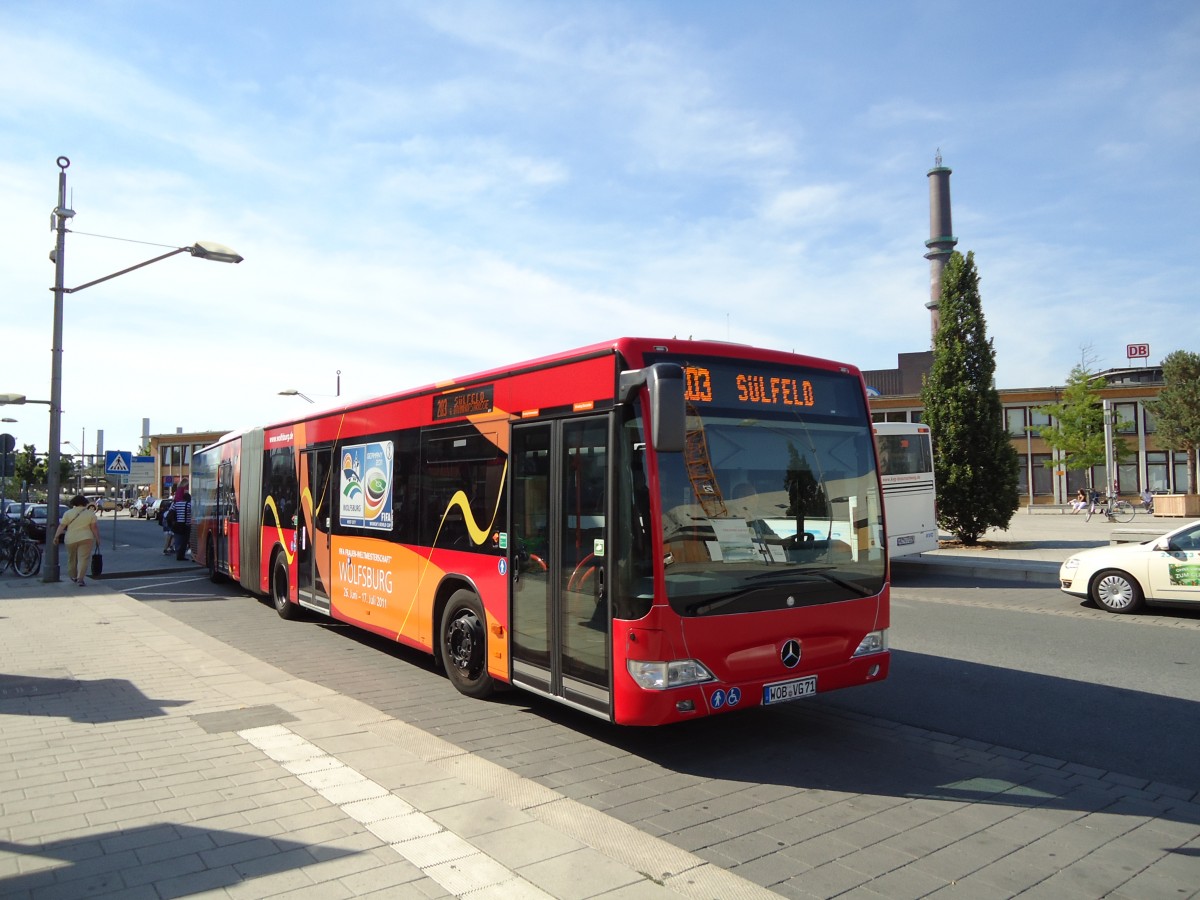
x=822, y=573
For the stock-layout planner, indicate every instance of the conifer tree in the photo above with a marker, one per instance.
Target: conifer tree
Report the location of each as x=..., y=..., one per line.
x=973, y=460
x=1177, y=409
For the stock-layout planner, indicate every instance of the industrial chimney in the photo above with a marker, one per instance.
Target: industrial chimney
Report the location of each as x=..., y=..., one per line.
x=941, y=236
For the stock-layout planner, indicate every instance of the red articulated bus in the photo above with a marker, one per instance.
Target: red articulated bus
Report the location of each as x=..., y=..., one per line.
x=645, y=530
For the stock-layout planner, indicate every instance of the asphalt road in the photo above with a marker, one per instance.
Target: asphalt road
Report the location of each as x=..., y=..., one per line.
x=1031, y=668
x=1009, y=664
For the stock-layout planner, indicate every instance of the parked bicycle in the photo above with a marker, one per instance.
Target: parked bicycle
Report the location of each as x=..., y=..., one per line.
x=18, y=550
x=1113, y=508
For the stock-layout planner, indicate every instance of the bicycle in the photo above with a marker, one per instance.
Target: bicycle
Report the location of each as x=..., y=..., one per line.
x=1114, y=509
x=19, y=552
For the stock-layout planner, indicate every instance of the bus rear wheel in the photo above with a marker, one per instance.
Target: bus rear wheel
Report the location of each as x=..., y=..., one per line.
x=280, y=589
x=464, y=645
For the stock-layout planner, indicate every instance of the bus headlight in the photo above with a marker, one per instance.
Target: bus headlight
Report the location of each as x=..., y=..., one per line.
x=659, y=676
x=874, y=642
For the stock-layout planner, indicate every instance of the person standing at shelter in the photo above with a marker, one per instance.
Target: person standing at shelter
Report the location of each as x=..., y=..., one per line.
x=82, y=534
x=181, y=514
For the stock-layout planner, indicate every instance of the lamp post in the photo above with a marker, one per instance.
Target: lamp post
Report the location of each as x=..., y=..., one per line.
x=79, y=466
x=59, y=217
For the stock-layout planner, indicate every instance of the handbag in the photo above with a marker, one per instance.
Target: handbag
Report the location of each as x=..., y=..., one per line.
x=97, y=563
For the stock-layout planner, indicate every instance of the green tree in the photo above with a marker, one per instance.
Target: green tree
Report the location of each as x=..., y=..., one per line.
x=974, y=461
x=1177, y=409
x=1077, y=424
x=29, y=468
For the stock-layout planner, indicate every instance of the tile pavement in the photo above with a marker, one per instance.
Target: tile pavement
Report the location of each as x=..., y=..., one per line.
x=141, y=758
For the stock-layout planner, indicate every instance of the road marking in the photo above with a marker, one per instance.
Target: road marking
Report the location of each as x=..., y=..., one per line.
x=454, y=863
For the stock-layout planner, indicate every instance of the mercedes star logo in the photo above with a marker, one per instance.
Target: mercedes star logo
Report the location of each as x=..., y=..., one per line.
x=790, y=654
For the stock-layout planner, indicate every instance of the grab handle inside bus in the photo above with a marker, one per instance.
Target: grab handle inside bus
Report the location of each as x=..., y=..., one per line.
x=668, y=414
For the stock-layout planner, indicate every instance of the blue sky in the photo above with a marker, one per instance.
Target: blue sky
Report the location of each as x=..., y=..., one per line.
x=424, y=190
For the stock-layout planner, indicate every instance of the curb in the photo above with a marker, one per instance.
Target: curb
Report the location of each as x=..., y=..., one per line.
x=149, y=571
x=1031, y=571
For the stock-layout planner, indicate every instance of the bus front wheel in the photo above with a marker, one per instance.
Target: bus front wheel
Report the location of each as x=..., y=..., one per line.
x=464, y=645
x=280, y=589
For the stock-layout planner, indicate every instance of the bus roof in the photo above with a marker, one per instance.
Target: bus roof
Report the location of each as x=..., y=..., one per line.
x=627, y=346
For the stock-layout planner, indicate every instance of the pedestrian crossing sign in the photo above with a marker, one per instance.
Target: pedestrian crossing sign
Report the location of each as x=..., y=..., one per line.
x=117, y=462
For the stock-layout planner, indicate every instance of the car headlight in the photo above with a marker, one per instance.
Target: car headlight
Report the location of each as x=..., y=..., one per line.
x=874, y=642
x=659, y=676
x=1072, y=563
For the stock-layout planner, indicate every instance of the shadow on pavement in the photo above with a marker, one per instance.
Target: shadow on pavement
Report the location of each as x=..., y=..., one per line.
x=174, y=860
x=62, y=696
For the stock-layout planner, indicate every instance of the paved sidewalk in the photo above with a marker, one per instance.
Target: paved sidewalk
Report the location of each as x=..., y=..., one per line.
x=141, y=758
x=1034, y=545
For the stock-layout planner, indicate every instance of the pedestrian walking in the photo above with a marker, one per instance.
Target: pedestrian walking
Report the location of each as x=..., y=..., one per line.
x=78, y=529
x=181, y=518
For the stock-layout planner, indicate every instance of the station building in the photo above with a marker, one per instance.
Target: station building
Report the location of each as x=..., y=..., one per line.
x=173, y=457
x=1125, y=394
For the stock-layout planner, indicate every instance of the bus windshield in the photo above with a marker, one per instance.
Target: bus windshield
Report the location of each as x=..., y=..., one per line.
x=770, y=511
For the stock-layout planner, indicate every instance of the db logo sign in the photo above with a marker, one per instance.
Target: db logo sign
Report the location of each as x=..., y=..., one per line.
x=1137, y=351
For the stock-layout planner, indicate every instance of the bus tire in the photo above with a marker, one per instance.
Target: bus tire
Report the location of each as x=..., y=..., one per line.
x=464, y=645
x=280, y=588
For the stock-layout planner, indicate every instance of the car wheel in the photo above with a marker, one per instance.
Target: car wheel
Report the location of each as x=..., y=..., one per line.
x=464, y=645
x=280, y=589
x=1117, y=592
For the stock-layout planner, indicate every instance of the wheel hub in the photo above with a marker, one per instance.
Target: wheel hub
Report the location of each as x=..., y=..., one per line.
x=462, y=643
x=1115, y=592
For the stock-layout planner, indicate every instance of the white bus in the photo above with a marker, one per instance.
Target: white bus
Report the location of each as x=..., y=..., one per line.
x=906, y=470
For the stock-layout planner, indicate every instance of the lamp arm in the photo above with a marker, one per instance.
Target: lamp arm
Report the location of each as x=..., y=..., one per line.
x=124, y=271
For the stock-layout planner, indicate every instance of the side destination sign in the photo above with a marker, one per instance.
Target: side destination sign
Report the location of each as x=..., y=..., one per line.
x=470, y=402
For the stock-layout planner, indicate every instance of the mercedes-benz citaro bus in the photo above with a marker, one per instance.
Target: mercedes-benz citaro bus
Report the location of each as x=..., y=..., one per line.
x=648, y=531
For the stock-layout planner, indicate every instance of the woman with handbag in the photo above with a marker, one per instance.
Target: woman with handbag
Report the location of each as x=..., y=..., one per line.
x=81, y=533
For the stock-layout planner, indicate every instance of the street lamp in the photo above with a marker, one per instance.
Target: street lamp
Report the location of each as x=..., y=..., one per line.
x=292, y=392
x=59, y=217
x=19, y=400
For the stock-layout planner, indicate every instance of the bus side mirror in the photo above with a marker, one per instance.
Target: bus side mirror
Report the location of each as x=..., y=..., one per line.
x=668, y=411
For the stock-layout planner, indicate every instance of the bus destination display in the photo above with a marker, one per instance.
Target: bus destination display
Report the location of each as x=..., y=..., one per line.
x=751, y=385
x=473, y=402
x=751, y=388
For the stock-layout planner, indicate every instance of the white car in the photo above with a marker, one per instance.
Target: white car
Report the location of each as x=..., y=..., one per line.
x=1122, y=578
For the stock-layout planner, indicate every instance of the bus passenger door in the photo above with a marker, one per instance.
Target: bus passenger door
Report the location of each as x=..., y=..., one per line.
x=312, y=542
x=561, y=624
x=226, y=519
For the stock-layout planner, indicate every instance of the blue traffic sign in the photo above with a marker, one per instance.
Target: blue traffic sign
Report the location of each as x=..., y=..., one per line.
x=117, y=462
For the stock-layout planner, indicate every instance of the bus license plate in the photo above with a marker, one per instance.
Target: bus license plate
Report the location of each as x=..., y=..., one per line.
x=789, y=690
x=905, y=539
